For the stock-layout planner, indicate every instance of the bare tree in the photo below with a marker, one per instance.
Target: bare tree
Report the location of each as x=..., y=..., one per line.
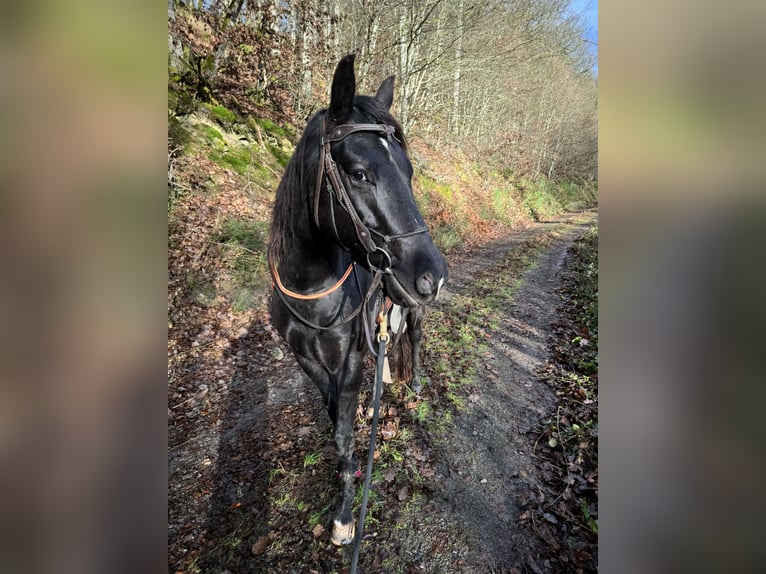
x=508, y=81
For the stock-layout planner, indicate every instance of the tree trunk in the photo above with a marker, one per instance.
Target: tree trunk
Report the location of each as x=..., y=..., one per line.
x=455, y=121
x=232, y=14
x=403, y=67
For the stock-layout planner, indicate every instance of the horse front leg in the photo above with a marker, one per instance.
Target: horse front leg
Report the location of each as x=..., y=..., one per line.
x=415, y=329
x=348, y=465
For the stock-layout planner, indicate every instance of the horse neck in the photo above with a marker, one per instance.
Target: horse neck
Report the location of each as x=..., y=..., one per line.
x=309, y=261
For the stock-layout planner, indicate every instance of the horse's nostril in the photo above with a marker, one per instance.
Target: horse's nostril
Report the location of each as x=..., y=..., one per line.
x=426, y=284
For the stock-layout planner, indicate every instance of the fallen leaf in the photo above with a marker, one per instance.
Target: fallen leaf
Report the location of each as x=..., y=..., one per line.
x=550, y=518
x=318, y=530
x=582, y=555
x=259, y=547
x=402, y=494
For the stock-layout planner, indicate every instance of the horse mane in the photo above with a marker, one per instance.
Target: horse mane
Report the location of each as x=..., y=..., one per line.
x=298, y=182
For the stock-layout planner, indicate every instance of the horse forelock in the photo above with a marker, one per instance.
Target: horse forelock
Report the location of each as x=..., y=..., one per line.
x=376, y=113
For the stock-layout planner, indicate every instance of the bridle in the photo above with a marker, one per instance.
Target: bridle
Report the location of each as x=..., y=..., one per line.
x=337, y=191
x=328, y=168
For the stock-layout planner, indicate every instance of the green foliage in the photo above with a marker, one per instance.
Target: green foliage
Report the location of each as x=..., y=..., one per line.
x=213, y=135
x=544, y=199
x=423, y=411
x=318, y=516
x=448, y=236
x=222, y=115
x=589, y=521
x=584, y=293
x=272, y=129
x=577, y=195
x=238, y=159
x=311, y=459
x=244, y=243
x=178, y=136
x=503, y=205
x=279, y=154
x=541, y=200
x=570, y=438
x=249, y=234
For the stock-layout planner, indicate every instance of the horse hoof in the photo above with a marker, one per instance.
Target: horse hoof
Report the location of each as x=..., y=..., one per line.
x=342, y=533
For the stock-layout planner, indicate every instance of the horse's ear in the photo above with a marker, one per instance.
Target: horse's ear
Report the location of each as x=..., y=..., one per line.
x=385, y=93
x=343, y=90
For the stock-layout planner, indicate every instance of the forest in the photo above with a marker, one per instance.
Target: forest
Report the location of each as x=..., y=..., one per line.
x=510, y=83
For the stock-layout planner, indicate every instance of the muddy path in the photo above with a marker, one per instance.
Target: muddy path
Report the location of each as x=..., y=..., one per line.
x=251, y=463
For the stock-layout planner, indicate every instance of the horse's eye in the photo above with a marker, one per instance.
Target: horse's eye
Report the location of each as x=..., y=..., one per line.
x=358, y=175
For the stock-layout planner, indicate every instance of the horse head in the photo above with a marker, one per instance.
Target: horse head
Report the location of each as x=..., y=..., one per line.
x=363, y=198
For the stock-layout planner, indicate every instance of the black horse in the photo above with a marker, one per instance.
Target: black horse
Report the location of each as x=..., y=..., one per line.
x=346, y=231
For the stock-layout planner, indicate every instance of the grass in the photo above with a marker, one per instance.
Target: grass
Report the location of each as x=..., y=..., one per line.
x=311, y=459
x=456, y=344
x=238, y=159
x=222, y=115
x=448, y=236
x=456, y=335
x=503, y=205
x=375, y=502
x=422, y=411
x=541, y=200
x=244, y=253
x=544, y=199
x=318, y=516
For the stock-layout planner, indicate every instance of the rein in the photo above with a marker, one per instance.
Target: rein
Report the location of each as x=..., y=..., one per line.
x=312, y=296
x=383, y=339
x=284, y=293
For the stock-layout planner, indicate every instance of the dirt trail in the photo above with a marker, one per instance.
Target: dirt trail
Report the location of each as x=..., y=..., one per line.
x=488, y=471
x=265, y=416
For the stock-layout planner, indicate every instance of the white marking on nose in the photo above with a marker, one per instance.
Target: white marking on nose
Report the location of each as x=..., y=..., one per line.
x=439, y=288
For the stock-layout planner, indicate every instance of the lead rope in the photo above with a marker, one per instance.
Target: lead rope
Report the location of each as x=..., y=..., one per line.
x=383, y=339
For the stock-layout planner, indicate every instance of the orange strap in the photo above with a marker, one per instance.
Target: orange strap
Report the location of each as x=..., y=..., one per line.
x=313, y=296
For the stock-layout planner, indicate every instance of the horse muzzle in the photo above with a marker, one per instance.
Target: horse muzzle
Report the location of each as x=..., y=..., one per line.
x=428, y=286
x=419, y=286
